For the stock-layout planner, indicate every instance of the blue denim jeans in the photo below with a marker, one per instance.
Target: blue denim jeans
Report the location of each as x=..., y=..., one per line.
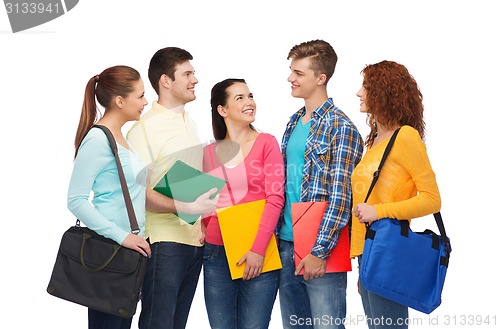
x=382, y=313
x=171, y=278
x=101, y=320
x=316, y=303
x=236, y=304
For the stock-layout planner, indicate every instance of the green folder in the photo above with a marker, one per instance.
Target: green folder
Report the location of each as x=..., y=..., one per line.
x=185, y=183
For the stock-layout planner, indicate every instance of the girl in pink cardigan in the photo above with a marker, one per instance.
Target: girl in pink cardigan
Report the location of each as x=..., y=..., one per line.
x=252, y=164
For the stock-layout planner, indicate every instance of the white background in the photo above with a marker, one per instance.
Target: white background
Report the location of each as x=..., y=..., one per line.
x=451, y=48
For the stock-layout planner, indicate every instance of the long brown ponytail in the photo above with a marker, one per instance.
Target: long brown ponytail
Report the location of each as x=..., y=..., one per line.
x=113, y=81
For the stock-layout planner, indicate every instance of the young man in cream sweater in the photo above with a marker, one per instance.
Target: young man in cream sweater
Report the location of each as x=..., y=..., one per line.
x=162, y=136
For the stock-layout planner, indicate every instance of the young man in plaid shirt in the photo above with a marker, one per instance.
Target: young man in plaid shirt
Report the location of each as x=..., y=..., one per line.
x=321, y=147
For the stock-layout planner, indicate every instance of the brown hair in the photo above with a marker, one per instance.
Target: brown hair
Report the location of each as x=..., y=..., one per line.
x=113, y=81
x=165, y=61
x=321, y=54
x=393, y=98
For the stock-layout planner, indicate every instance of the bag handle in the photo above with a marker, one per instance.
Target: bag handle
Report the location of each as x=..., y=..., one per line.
x=86, y=237
x=126, y=194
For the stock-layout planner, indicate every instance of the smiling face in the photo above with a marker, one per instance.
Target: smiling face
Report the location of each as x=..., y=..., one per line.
x=362, y=98
x=133, y=104
x=303, y=79
x=240, y=108
x=182, y=88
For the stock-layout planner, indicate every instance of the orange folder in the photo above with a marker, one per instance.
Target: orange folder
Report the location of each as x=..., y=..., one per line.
x=306, y=219
x=239, y=225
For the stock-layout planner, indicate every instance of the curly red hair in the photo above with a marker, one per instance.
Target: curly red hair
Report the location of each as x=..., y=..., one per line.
x=393, y=98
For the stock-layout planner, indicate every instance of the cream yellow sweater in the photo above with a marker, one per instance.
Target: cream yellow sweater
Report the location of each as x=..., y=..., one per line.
x=161, y=137
x=406, y=187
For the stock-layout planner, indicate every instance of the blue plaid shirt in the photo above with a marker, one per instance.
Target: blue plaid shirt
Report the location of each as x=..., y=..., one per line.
x=333, y=148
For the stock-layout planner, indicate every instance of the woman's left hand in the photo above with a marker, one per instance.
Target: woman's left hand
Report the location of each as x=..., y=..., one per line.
x=365, y=213
x=137, y=243
x=253, y=267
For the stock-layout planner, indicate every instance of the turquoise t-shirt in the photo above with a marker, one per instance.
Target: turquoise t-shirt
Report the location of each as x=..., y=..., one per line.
x=294, y=166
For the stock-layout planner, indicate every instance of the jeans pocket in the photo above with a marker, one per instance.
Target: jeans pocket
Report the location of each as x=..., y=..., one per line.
x=209, y=252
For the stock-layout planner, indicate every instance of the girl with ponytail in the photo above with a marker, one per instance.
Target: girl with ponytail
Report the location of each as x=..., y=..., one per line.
x=120, y=91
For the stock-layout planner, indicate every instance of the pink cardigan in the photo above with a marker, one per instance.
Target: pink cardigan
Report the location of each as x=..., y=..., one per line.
x=259, y=176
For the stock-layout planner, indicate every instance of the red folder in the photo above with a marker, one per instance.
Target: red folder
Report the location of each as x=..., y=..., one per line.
x=306, y=219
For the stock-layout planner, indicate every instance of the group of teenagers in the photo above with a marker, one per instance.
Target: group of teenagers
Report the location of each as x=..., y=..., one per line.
x=321, y=158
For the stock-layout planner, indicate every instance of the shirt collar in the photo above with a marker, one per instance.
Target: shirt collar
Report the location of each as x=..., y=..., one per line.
x=324, y=108
x=170, y=114
x=320, y=111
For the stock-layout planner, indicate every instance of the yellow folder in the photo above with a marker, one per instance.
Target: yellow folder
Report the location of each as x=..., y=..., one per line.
x=239, y=225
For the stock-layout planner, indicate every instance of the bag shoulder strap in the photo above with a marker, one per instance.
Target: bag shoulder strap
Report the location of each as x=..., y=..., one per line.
x=384, y=157
x=126, y=194
x=376, y=174
x=444, y=238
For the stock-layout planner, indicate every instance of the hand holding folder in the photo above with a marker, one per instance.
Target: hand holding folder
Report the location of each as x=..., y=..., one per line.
x=306, y=219
x=239, y=225
x=185, y=183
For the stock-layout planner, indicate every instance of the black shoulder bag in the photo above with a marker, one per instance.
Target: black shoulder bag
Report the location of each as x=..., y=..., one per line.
x=95, y=271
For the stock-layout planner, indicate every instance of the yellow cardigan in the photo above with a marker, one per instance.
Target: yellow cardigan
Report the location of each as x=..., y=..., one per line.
x=406, y=187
